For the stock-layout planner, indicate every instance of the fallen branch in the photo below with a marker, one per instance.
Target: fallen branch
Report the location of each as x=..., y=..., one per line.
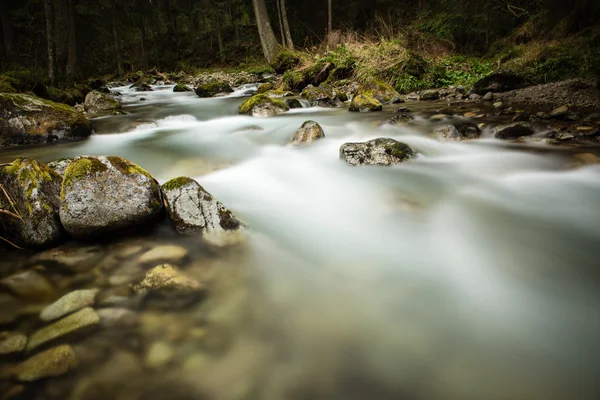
x=11, y=243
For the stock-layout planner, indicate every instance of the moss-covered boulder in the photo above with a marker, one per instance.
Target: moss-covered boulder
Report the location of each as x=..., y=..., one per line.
x=34, y=191
x=107, y=194
x=380, y=91
x=265, y=87
x=213, y=88
x=321, y=96
x=460, y=131
x=381, y=151
x=26, y=119
x=180, y=87
x=96, y=101
x=285, y=60
x=363, y=103
x=277, y=94
x=194, y=211
x=261, y=105
x=309, y=132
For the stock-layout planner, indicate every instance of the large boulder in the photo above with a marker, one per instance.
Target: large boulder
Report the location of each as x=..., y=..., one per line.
x=460, y=131
x=364, y=103
x=497, y=83
x=34, y=191
x=96, y=101
x=261, y=105
x=107, y=194
x=26, y=119
x=380, y=151
x=309, y=132
x=212, y=88
x=321, y=96
x=380, y=91
x=513, y=131
x=194, y=211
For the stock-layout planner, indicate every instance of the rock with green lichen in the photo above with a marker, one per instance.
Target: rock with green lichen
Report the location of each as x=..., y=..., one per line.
x=285, y=59
x=50, y=363
x=460, y=131
x=165, y=286
x=265, y=87
x=381, y=151
x=363, y=103
x=309, y=132
x=194, y=211
x=180, y=87
x=60, y=166
x=34, y=189
x=96, y=102
x=213, y=88
x=26, y=119
x=261, y=105
x=107, y=194
x=321, y=96
x=380, y=91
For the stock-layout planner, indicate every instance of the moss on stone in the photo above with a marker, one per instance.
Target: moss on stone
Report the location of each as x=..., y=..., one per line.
x=176, y=183
x=7, y=84
x=127, y=167
x=286, y=59
x=265, y=87
x=180, y=87
x=379, y=90
x=362, y=103
x=295, y=79
x=256, y=100
x=213, y=88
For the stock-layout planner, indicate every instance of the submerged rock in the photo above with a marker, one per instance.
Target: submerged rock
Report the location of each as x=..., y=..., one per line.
x=213, y=88
x=309, y=132
x=194, y=211
x=26, y=119
x=265, y=87
x=292, y=103
x=69, y=303
x=380, y=91
x=381, y=151
x=461, y=131
x=52, y=362
x=362, y=103
x=164, y=254
x=82, y=321
x=321, y=96
x=513, y=131
x=262, y=105
x=180, y=87
x=29, y=285
x=96, y=101
x=400, y=118
x=166, y=287
x=107, y=194
x=34, y=189
x=12, y=344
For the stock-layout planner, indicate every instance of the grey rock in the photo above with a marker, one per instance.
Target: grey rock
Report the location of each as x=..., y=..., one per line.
x=431, y=94
x=107, y=194
x=399, y=118
x=59, y=166
x=96, y=101
x=321, y=96
x=195, y=211
x=309, y=132
x=117, y=318
x=461, y=131
x=513, y=131
x=381, y=151
x=489, y=96
x=82, y=321
x=69, y=303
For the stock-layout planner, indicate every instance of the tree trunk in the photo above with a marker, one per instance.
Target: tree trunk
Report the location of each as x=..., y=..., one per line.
x=115, y=35
x=49, y=13
x=329, y=16
x=72, y=41
x=220, y=37
x=265, y=31
x=7, y=36
x=286, y=26
x=280, y=22
x=143, y=42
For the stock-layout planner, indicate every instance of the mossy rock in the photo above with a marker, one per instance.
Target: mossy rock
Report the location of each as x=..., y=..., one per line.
x=277, y=94
x=70, y=96
x=7, y=84
x=261, y=105
x=26, y=119
x=194, y=211
x=97, y=102
x=285, y=60
x=295, y=79
x=213, y=88
x=460, y=131
x=180, y=87
x=101, y=195
x=34, y=189
x=265, y=87
x=380, y=151
x=363, y=103
x=321, y=96
x=292, y=103
x=380, y=91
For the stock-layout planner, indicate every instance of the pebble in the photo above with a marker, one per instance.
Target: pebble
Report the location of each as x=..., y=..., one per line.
x=164, y=254
x=13, y=343
x=117, y=317
x=29, y=285
x=52, y=362
x=69, y=303
x=82, y=320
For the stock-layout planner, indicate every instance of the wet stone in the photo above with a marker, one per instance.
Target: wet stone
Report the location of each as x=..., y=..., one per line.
x=164, y=254
x=12, y=343
x=82, y=321
x=52, y=362
x=69, y=303
x=117, y=317
x=166, y=287
x=29, y=285
x=159, y=355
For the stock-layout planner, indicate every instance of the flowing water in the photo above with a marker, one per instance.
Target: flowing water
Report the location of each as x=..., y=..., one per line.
x=470, y=273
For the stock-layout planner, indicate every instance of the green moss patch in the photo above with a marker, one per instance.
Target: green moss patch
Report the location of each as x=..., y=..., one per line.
x=176, y=183
x=259, y=99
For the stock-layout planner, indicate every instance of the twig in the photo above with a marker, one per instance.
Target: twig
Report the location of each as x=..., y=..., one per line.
x=11, y=243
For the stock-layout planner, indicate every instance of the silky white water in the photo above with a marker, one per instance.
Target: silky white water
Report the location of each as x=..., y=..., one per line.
x=469, y=273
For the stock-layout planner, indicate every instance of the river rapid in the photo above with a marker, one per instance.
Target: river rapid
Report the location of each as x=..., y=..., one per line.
x=468, y=273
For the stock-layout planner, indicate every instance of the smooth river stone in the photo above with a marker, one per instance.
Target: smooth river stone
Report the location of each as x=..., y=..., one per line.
x=81, y=321
x=52, y=362
x=13, y=344
x=29, y=285
x=172, y=254
x=69, y=303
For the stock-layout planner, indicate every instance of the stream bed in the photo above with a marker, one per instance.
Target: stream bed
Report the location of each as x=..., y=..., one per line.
x=468, y=273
